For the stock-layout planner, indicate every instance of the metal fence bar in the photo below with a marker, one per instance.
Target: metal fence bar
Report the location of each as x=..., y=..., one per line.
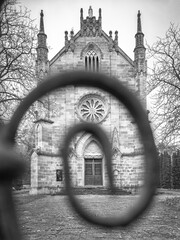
x=11, y=166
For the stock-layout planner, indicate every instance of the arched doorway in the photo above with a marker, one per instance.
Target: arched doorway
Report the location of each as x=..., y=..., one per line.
x=93, y=165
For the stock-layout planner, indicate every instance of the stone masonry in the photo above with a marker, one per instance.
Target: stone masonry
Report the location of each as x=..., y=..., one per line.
x=90, y=49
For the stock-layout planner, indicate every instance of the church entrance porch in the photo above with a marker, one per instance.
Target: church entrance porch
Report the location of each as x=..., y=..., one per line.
x=93, y=171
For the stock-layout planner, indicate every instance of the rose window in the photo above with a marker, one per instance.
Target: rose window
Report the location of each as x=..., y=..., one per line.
x=92, y=109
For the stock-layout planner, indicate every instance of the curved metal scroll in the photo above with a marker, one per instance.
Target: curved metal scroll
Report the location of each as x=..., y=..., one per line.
x=114, y=87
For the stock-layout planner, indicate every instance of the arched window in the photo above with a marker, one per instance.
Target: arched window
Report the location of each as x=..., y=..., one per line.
x=92, y=61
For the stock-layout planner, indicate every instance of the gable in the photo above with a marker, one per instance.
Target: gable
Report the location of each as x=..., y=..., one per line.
x=80, y=44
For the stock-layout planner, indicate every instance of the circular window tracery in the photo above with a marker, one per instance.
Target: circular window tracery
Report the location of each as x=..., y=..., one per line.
x=92, y=108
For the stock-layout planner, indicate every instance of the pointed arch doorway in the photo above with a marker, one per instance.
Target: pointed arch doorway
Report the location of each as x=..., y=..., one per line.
x=93, y=165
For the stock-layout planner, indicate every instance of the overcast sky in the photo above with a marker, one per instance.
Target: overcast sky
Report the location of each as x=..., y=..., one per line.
x=121, y=15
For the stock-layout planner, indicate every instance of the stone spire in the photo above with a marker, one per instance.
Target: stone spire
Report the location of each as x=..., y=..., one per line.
x=139, y=50
x=42, y=69
x=140, y=62
x=42, y=50
x=139, y=35
x=41, y=29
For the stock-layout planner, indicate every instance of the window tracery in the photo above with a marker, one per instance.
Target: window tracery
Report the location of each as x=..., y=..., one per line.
x=92, y=61
x=92, y=108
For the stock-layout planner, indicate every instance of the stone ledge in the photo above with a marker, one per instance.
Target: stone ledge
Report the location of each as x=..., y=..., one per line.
x=43, y=120
x=43, y=153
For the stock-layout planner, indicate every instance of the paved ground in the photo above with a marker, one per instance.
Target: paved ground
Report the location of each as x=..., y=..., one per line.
x=50, y=217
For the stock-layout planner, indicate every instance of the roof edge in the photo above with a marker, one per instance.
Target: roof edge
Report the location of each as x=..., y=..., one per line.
x=62, y=50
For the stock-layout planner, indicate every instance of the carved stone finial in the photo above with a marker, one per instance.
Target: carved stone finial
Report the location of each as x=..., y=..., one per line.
x=116, y=41
x=66, y=37
x=90, y=12
x=116, y=143
x=72, y=33
x=111, y=43
x=139, y=28
x=99, y=12
x=81, y=11
x=42, y=14
x=116, y=36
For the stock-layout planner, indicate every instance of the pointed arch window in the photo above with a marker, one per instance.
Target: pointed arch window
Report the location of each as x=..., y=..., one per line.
x=92, y=61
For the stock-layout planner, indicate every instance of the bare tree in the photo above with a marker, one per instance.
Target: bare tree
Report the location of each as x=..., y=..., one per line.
x=164, y=85
x=17, y=66
x=17, y=56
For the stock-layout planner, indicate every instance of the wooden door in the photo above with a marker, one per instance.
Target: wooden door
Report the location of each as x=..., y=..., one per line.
x=93, y=171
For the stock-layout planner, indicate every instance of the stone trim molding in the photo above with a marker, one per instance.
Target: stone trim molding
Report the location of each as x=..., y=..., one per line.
x=132, y=154
x=39, y=152
x=93, y=156
x=44, y=120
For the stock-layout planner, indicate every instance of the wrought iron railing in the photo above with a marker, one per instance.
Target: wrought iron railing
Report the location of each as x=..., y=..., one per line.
x=11, y=165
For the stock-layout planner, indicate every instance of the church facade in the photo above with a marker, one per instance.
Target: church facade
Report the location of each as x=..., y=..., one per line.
x=90, y=49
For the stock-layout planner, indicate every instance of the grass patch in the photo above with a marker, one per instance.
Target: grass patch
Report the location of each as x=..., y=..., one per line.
x=20, y=199
x=173, y=202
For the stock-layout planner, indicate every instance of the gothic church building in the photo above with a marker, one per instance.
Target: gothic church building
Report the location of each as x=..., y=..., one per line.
x=90, y=49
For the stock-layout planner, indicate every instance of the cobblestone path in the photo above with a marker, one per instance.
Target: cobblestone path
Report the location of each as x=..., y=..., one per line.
x=50, y=217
